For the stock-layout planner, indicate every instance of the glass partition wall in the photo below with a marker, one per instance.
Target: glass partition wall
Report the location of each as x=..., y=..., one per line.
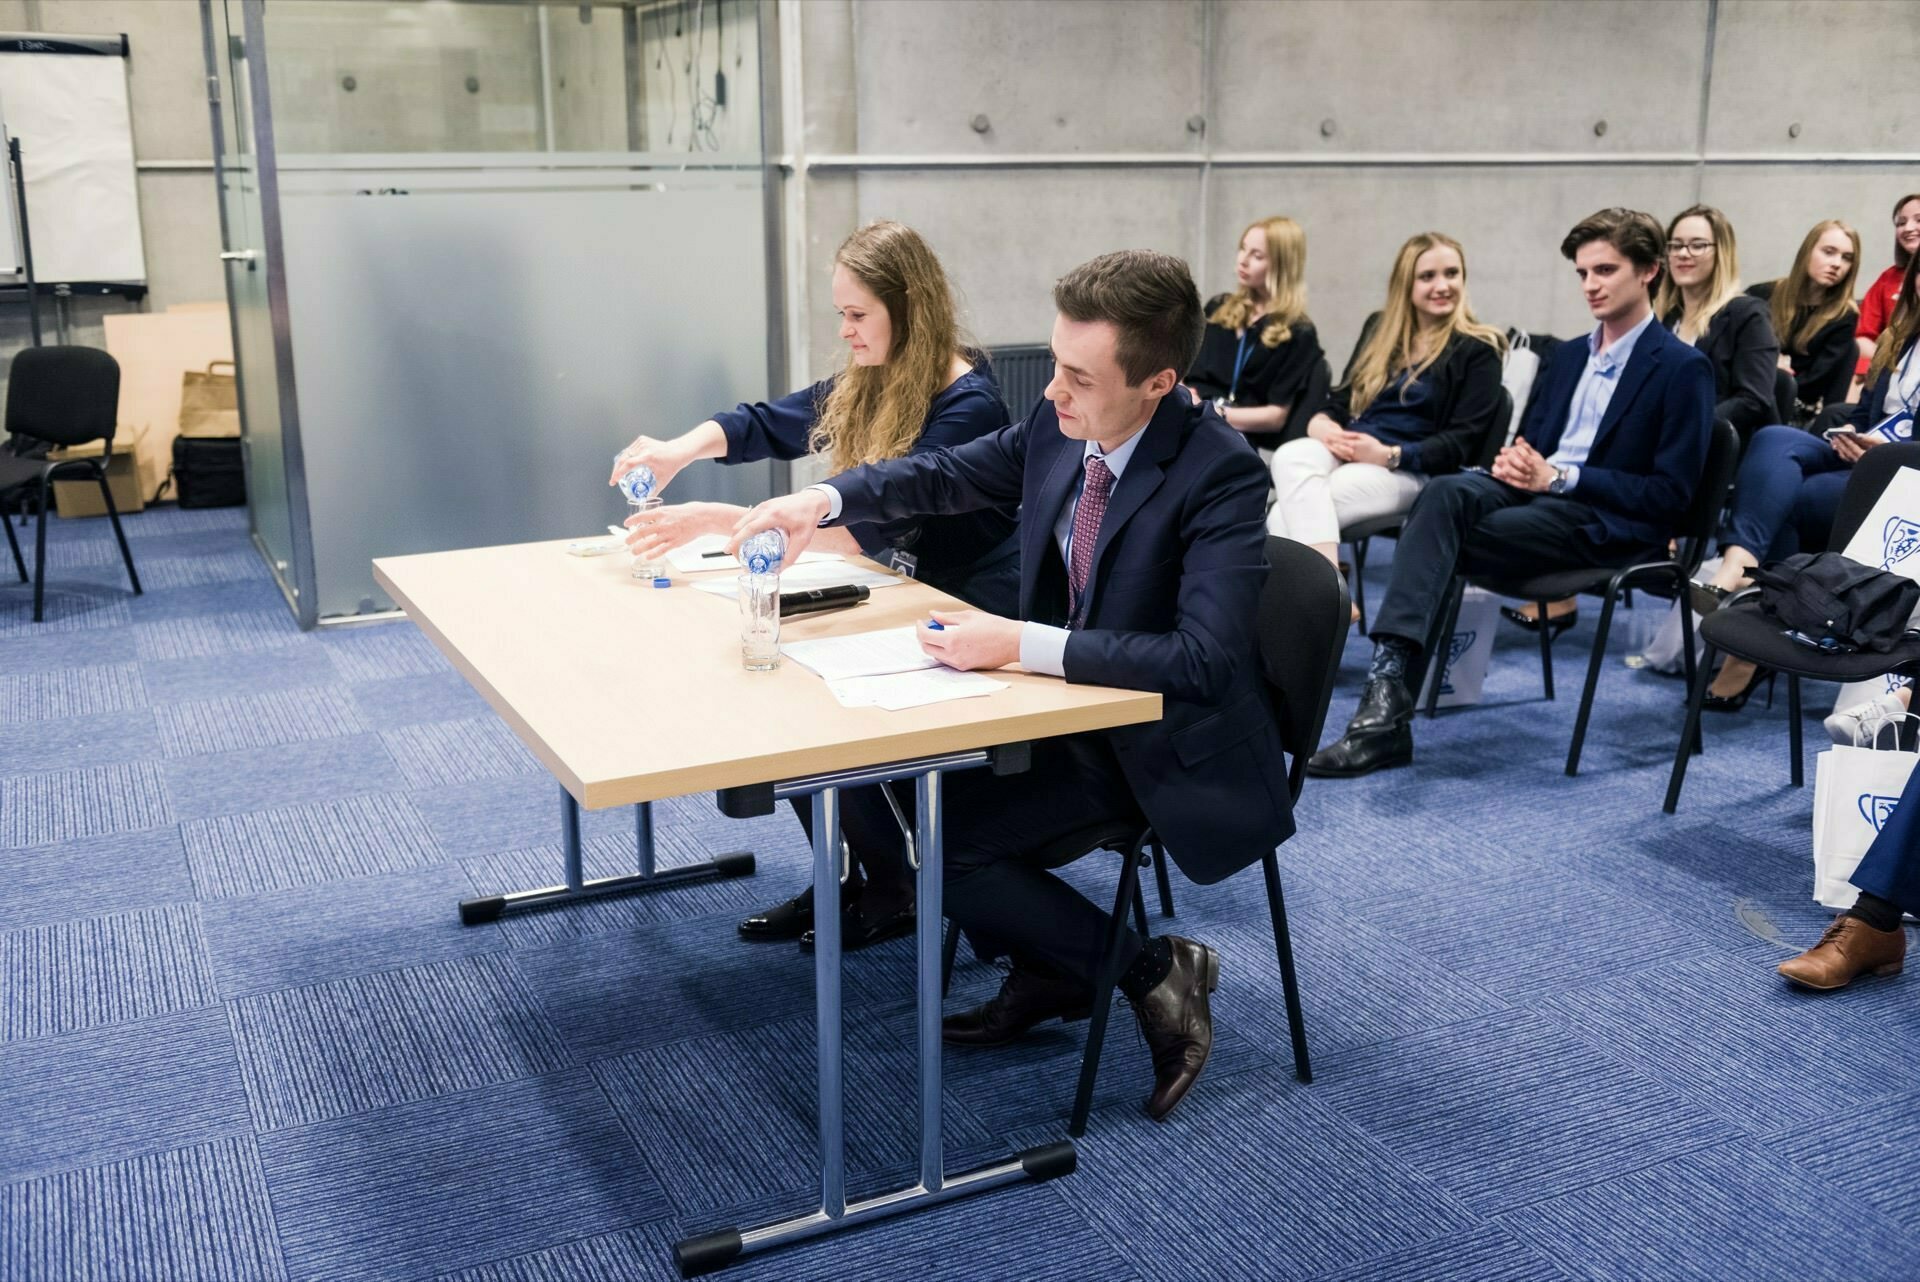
x=472, y=249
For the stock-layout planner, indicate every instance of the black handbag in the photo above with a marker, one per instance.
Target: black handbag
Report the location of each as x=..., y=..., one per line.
x=1836, y=603
x=208, y=472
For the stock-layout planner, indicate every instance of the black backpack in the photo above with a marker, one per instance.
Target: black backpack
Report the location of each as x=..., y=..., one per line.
x=1825, y=596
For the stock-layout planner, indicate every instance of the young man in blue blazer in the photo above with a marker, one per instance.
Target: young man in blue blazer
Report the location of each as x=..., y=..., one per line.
x=1606, y=462
x=1142, y=541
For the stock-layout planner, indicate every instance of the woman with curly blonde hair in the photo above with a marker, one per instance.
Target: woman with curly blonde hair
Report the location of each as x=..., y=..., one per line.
x=908, y=385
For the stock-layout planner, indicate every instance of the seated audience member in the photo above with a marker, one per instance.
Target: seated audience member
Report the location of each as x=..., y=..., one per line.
x=1608, y=455
x=1876, y=309
x=1814, y=314
x=1417, y=400
x=1142, y=542
x=909, y=387
x=1259, y=348
x=1790, y=482
x=1869, y=937
x=1700, y=301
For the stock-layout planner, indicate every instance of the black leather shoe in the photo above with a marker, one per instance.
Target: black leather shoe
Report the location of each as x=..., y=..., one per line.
x=782, y=921
x=1385, y=703
x=1556, y=623
x=1362, y=753
x=858, y=931
x=1026, y=998
x=1177, y=1020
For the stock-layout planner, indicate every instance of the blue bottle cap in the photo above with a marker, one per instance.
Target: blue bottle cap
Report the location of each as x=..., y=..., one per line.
x=663, y=582
x=936, y=625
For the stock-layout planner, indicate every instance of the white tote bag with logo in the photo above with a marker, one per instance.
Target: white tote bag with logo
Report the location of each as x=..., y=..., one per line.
x=1463, y=673
x=1855, y=792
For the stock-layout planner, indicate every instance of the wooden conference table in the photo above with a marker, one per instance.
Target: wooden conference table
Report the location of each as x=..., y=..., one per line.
x=630, y=693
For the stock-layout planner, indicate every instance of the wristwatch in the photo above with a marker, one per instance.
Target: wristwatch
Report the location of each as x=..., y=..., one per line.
x=1220, y=406
x=1558, y=485
x=1393, y=458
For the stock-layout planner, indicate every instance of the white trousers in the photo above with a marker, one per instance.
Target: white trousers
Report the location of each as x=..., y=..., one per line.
x=1315, y=493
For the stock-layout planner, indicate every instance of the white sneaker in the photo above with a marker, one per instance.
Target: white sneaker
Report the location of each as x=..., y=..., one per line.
x=1847, y=726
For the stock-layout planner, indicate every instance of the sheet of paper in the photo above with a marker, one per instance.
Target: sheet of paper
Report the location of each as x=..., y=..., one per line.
x=901, y=690
x=802, y=577
x=863, y=654
x=699, y=556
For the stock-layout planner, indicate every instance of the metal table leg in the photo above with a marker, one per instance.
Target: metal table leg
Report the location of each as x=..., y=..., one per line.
x=711, y=1251
x=487, y=908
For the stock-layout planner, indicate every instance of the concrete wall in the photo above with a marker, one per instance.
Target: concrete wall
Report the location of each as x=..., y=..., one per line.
x=1171, y=124
x=1109, y=123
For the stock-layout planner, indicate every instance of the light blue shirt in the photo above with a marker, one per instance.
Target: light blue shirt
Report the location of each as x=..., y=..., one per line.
x=1043, y=647
x=1591, y=396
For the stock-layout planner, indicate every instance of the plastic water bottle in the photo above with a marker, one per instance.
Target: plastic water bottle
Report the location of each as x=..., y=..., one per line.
x=765, y=552
x=637, y=482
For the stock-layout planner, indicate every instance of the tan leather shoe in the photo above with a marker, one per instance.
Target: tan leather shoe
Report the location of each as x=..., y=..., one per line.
x=1849, y=947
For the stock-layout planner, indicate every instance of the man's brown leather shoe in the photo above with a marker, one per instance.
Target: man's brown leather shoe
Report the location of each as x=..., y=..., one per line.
x=1177, y=1021
x=1026, y=998
x=1849, y=947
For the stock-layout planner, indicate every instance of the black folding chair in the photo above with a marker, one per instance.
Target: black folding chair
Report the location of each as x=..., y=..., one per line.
x=1743, y=631
x=1302, y=628
x=58, y=396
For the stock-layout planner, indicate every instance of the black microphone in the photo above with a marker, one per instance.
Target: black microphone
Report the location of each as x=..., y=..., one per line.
x=815, y=600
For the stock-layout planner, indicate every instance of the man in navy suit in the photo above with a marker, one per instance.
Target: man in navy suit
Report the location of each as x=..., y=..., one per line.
x=1606, y=461
x=1142, y=559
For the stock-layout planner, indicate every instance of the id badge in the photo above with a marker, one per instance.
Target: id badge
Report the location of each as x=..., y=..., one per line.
x=1897, y=427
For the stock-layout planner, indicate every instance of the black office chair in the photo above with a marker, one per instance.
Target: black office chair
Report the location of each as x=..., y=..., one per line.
x=1742, y=630
x=58, y=396
x=1302, y=629
x=1786, y=397
x=1666, y=579
x=1360, y=534
x=1023, y=371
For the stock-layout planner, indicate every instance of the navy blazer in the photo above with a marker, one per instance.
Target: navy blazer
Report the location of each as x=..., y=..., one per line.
x=1171, y=605
x=1867, y=413
x=1652, y=445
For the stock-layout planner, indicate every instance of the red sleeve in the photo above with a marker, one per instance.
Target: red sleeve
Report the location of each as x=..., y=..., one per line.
x=1875, y=308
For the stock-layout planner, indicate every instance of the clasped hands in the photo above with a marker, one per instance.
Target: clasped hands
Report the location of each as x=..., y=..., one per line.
x=1348, y=447
x=969, y=640
x=1523, y=467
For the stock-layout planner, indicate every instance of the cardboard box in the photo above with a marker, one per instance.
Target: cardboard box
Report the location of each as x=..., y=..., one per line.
x=154, y=349
x=82, y=498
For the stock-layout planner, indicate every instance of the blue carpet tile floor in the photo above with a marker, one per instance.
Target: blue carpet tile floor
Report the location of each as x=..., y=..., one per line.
x=244, y=1035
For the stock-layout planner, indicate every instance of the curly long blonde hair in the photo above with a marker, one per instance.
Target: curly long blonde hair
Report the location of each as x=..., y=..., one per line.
x=1903, y=327
x=1285, y=284
x=876, y=412
x=1390, y=348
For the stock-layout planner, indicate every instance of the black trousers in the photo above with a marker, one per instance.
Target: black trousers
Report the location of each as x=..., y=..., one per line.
x=994, y=830
x=1472, y=524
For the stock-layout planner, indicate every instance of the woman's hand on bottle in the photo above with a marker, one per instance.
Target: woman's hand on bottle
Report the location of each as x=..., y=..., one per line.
x=666, y=458
x=653, y=534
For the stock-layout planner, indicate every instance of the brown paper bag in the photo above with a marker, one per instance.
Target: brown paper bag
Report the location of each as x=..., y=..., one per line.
x=210, y=402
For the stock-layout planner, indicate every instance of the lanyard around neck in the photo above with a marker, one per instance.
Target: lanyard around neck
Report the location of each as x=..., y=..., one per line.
x=1239, y=363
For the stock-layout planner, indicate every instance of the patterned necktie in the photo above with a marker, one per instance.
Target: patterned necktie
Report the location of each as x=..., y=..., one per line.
x=1086, y=530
